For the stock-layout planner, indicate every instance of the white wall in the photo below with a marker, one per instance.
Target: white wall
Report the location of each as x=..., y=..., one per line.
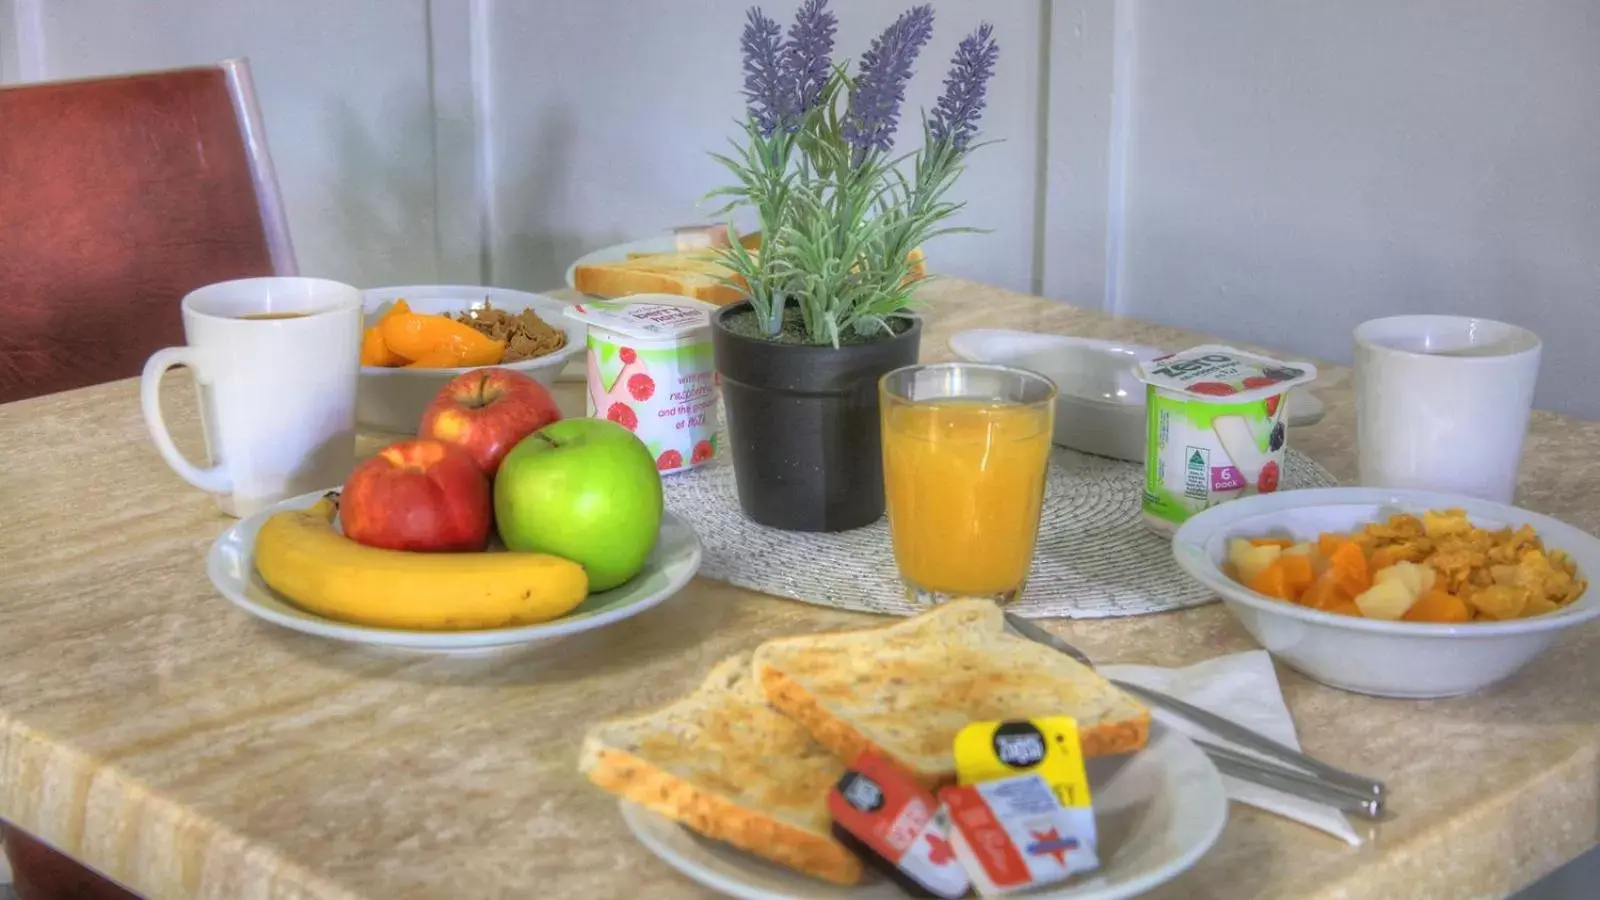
x=1296, y=167
x=1267, y=171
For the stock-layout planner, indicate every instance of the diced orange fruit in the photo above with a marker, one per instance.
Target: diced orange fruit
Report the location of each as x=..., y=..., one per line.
x=1345, y=608
x=1349, y=566
x=1297, y=574
x=1438, y=606
x=1329, y=541
x=1285, y=543
x=1272, y=581
x=1325, y=593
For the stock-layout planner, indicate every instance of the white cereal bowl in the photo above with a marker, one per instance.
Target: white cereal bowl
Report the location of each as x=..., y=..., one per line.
x=393, y=399
x=1413, y=660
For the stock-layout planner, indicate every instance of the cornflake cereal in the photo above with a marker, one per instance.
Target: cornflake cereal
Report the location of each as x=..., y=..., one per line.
x=1438, y=567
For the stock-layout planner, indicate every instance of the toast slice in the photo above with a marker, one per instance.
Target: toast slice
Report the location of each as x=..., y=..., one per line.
x=725, y=763
x=698, y=274
x=906, y=689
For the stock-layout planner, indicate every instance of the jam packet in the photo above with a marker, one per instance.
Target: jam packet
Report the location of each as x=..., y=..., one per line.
x=1013, y=834
x=1216, y=429
x=896, y=826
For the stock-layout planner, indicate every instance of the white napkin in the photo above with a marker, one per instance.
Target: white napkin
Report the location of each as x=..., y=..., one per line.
x=1242, y=687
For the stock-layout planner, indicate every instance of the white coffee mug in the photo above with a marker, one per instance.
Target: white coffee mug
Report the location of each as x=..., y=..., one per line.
x=276, y=362
x=1442, y=403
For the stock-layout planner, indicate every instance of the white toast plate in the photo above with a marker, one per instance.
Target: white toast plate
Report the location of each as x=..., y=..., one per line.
x=1157, y=812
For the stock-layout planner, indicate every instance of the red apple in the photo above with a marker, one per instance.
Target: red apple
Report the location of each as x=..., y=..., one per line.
x=486, y=412
x=418, y=495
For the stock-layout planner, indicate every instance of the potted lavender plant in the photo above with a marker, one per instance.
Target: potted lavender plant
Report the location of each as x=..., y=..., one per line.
x=829, y=292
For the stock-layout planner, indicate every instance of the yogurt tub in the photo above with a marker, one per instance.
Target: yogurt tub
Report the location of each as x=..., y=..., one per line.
x=1216, y=429
x=650, y=371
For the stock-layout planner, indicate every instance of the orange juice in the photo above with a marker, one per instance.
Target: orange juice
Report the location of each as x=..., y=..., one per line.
x=964, y=480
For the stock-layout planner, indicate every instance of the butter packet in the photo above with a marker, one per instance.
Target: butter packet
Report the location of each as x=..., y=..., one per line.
x=1022, y=814
x=1047, y=746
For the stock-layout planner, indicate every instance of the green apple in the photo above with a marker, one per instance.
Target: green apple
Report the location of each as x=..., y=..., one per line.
x=583, y=489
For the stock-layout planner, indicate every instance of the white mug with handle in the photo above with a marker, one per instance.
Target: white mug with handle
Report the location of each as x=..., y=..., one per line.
x=276, y=362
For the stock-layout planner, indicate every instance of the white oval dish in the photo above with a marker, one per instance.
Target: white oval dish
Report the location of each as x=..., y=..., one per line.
x=1387, y=659
x=393, y=399
x=1100, y=408
x=1157, y=812
x=231, y=566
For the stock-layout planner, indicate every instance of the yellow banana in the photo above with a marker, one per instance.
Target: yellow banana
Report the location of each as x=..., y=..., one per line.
x=301, y=556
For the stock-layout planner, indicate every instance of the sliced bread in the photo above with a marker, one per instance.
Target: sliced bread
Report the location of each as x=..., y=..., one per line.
x=906, y=689
x=725, y=763
x=698, y=273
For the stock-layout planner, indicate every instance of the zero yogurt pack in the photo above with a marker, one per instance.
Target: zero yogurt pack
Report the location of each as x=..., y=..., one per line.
x=650, y=370
x=1216, y=429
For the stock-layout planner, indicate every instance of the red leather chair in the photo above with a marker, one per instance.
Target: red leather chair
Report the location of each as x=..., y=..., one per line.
x=117, y=197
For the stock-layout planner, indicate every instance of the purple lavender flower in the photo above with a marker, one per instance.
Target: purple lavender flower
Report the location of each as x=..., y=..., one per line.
x=805, y=54
x=880, y=85
x=768, y=91
x=956, y=115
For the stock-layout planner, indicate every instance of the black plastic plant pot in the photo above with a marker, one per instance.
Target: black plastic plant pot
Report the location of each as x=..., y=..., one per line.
x=803, y=428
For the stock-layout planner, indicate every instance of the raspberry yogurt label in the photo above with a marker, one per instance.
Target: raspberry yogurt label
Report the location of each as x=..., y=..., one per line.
x=650, y=370
x=1216, y=429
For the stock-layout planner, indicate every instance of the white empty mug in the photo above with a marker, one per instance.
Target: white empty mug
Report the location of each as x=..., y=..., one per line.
x=276, y=362
x=1442, y=403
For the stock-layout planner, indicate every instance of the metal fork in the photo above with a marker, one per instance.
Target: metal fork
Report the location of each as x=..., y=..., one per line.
x=1349, y=784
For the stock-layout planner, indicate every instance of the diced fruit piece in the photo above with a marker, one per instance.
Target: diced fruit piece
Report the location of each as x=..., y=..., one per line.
x=1297, y=574
x=1272, y=581
x=1344, y=608
x=1349, y=566
x=1438, y=606
x=1416, y=578
x=1325, y=593
x=1329, y=541
x=1385, y=600
x=1285, y=543
x=1249, y=559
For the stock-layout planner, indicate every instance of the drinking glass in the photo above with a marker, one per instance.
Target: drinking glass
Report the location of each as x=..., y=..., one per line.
x=965, y=451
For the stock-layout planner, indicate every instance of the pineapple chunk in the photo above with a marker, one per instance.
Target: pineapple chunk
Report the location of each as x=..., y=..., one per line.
x=1248, y=559
x=1418, y=579
x=1386, y=600
x=1303, y=548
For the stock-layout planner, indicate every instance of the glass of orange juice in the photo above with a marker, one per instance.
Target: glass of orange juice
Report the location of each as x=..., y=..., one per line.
x=965, y=452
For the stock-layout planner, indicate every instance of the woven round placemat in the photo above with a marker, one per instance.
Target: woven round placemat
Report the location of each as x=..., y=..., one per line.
x=1095, y=557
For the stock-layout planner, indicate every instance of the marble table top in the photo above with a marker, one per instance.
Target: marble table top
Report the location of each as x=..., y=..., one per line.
x=163, y=737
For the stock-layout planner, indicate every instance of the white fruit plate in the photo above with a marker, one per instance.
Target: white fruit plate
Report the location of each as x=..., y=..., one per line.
x=231, y=565
x=1156, y=813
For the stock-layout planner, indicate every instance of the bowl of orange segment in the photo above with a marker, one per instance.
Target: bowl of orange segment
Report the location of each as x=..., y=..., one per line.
x=419, y=337
x=1394, y=593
